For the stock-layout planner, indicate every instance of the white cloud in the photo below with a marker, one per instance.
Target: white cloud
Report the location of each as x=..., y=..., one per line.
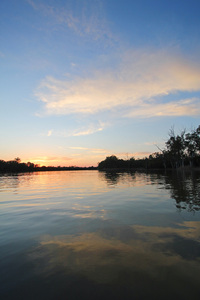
x=186, y=107
x=87, y=131
x=49, y=133
x=138, y=83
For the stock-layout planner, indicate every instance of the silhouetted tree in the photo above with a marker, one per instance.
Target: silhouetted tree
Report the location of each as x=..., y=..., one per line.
x=192, y=144
x=18, y=160
x=110, y=162
x=176, y=148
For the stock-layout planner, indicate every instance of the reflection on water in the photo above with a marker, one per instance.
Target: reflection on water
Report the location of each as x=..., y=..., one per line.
x=184, y=187
x=97, y=235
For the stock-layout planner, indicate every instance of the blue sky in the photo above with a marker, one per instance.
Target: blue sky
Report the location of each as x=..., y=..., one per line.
x=82, y=80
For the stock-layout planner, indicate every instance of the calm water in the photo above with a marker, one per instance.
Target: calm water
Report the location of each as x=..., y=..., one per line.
x=96, y=235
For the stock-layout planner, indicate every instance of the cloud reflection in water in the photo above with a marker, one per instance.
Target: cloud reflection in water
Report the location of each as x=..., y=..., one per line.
x=135, y=258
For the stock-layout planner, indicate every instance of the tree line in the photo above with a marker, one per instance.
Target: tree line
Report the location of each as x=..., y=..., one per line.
x=16, y=166
x=180, y=150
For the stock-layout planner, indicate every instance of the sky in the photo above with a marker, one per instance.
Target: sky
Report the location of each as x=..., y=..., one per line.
x=85, y=79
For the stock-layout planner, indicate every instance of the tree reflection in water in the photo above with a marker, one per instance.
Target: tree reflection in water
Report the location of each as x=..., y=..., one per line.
x=184, y=186
x=112, y=178
x=185, y=189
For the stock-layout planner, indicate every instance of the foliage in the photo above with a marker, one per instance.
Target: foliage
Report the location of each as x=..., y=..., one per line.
x=181, y=149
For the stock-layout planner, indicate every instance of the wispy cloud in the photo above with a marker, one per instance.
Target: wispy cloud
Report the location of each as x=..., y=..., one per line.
x=186, y=107
x=141, y=154
x=91, y=150
x=101, y=153
x=87, y=20
x=136, y=88
x=78, y=148
x=49, y=159
x=128, y=155
x=88, y=131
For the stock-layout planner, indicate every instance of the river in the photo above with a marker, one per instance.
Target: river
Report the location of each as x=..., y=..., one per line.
x=97, y=235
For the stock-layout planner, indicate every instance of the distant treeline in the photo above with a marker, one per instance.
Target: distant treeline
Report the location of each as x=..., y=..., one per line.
x=15, y=166
x=180, y=150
